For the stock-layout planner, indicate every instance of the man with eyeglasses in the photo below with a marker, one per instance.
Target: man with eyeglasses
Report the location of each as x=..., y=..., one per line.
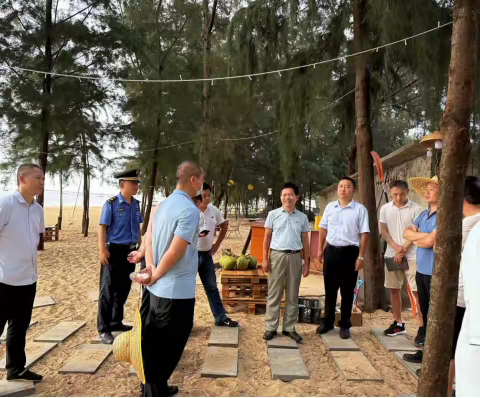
x=119, y=234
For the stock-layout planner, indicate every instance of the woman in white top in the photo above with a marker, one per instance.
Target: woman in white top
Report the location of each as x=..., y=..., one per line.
x=467, y=350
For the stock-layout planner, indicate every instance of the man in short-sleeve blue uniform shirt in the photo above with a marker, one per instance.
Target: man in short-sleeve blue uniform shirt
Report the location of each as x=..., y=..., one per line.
x=119, y=234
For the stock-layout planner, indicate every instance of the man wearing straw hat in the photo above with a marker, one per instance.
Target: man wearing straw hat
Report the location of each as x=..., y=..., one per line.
x=422, y=235
x=172, y=263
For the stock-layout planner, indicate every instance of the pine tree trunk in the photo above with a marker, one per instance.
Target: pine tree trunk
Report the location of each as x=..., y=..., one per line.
x=374, y=271
x=208, y=22
x=60, y=214
x=455, y=125
x=86, y=188
x=225, y=212
x=144, y=201
x=46, y=91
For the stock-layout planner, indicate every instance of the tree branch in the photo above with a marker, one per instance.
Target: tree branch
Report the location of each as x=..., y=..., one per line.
x=25, y=29
x=212, y=17
x=79, y=12
x=174, y=42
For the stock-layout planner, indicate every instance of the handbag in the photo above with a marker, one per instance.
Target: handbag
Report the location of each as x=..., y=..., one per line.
x=393, y=266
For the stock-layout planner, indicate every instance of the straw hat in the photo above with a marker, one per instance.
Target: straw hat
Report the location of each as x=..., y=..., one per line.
x=128, y=347
x=419, y=184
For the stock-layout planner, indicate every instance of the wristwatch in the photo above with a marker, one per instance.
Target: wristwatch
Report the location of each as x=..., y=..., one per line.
x=360, y=258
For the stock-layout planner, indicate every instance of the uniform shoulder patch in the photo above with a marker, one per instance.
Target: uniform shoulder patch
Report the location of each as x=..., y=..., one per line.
x=112, y=199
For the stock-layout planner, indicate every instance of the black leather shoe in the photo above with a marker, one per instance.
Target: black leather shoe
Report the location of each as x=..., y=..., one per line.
x=120, y=327
x=322, y=329
x=227, y=322
x=172, y=390
x=269, y=334
x=107, y=338
x=344, y=333
x=26, y=375
x=417, y=357
x=293, y=335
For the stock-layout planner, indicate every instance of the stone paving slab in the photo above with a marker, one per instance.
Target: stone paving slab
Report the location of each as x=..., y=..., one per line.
x=93, y=295
x=98, y=340
x=3, y=337
x=354, y=366
x=395, y=343
x=281, y=341
x=410, y=366
x=223, y=336
x=334, y=343
x=87, y=359
x=220, y=362
x=60, y=332
x=16, y=388
x=34, y=352
x=43, y=301
x=287, y=364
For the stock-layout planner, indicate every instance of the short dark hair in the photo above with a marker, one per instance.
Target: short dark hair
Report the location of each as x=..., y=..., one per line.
x=399, y=184
x=471, y=191
x=291, y=185
x=348, y=179
x=207, y=187
x=22, y=169
x=197, y=198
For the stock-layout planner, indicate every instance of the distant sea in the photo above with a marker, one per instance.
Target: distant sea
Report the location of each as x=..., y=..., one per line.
x=52, y=198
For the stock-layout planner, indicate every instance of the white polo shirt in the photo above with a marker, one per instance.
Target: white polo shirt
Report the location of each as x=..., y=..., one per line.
x=20, y=229
x=209, y=219
x=397, y=220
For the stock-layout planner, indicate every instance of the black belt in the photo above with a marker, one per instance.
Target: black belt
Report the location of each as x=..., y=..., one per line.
x=204, y=252
x=287, y=251
x=342, y=247
x=131, y=246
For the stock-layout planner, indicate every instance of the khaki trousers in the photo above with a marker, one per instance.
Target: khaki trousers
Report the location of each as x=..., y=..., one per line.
x=285, y=271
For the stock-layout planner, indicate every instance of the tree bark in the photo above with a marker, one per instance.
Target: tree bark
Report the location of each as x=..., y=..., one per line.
x=208, y=22
x=60, y=214
x=46, y=91
x=225, y=212
x=86, y=188
x=456, y=148
x=151, y=191
x=374, y=271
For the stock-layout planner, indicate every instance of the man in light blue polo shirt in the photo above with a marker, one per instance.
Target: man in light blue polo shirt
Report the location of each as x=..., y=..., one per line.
x=422, y=235
x=170, y=274
x=286, y=234
x=345, y=227
x=21, y=223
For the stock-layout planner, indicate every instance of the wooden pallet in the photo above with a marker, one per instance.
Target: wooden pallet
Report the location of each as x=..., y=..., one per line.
x=249, y=277
x=253, y=304
x=244, y=291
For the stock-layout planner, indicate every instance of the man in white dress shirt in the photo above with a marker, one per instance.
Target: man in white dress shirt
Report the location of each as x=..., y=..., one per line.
x=21, y=223
x=345, y=227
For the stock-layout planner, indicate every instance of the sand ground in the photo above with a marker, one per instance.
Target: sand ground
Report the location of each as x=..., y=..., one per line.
x=68, y=269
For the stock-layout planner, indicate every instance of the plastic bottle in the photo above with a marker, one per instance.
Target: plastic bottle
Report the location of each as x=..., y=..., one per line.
x=137, y=275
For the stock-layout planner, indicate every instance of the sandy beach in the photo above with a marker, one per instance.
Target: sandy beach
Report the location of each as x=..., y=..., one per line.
x=68, y=269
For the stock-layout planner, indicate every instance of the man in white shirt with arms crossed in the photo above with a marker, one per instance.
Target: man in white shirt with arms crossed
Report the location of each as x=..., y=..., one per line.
x=395, y=217
x=21, y=223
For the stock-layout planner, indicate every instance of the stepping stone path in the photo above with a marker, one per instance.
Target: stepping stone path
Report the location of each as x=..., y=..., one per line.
x=354, y=366
x=222, y=336
x=395, y=343
x=43, y=301
x=410, y=366
x=281, y=341
x=220, y=362
x=87, y=359
x=287, y=364
x=3, y=337
x=93, y=295
x=334, y=343
x=16, y=388
x=98, y=340
x=59, y=333
x=34, y=352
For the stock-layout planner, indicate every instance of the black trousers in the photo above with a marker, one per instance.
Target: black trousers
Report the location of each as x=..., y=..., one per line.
x=165, y=331
x=423, y=290
x=339, y=273
x=115, y=286
x=16, y=304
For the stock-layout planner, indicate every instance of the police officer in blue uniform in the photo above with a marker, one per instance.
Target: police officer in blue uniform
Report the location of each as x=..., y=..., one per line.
x=119, y=234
